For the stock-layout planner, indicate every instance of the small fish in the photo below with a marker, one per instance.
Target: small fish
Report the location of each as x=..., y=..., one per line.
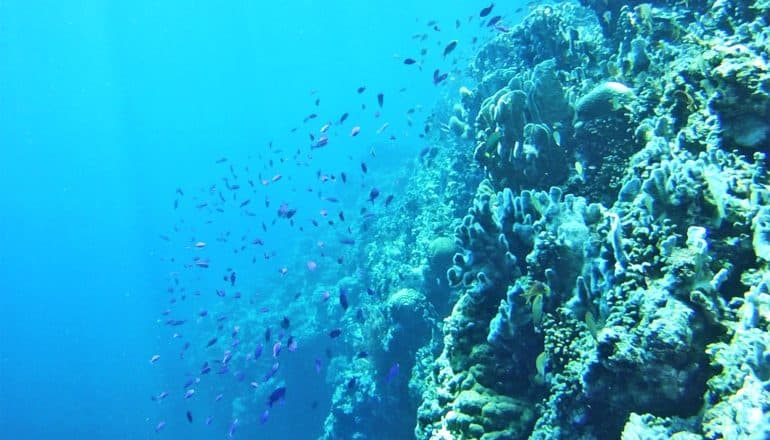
x=364, y=168
x=373, y=194
x=388, y=199
x=268, y=334
x=438, y=77
x=484, y=12
x=154, y=358
x=354, y=132
x=209, y=419
x=189, y=416
x=344, y=177
x=285, y=323
x=335, y=333
x=410, y=61
x=264, y=416
x=380, y=99
x=271, y=373
x=317, y=366
x=450, y=47
x=344, y=300
x=233, y=427
x=312, y=265
x=348, y=241
x=362, y=354
x=162, y=395
x=189, y=393
x=343, y=117
x=494, y=20
x=361, y=89
x=245, y=202
x=159, y=427
x=200, y=244
x=393, y=372
x=277, y=395
x=276, y=349
x=258, y=351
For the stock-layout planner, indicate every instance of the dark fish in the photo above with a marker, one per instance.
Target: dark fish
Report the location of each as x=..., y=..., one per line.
x=189, y=416
x=361, y=89
x=341, y=216
x=335, y=333
x=285, y=323
x=276, y=396
x=245, y=202
x=409, y=61
x=317, y=366
x=484, y=12
x=317, y=101
x=493, y=21
x=343, y=117
x=348, y=241
x=268, y=334
x=211, y=342
x=373, y=194
x=222, y=160
x=362, y=354
x=370, y=291
x=232, y=278
x=438, y=77
x=258, y=351
x=388, y=200
x=364, y=168
x=380, y=99
x=450, y=47
x=344, y=300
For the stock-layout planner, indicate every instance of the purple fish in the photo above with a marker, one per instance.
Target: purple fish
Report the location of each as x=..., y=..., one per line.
x=159, y=427
x=335, y=333
x=393, y=372
x=160, y=396
x=209, y=419
x=291, y=344
x=343, y=300
x=277, y=349
x=271, y=373
x=219, y=397
x=226, y=358
x=263, y=417
x=373, y=194
x=258, y=351
x=318, y=366
x=276, y=396
x=189, y=393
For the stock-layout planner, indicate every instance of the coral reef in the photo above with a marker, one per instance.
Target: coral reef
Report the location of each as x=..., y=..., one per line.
x=612, y=273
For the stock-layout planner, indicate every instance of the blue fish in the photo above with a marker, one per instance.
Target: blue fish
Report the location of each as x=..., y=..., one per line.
x=276, y=396
x=258, y=351
x=392, y=373
x=233, y=427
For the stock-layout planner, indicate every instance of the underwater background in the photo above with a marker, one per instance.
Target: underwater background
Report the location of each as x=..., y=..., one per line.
x=349, y=220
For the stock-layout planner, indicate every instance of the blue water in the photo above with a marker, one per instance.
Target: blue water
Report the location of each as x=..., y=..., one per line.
x=105, y=109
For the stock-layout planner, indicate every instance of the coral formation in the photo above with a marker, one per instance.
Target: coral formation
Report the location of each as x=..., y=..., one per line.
x=627, y=295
